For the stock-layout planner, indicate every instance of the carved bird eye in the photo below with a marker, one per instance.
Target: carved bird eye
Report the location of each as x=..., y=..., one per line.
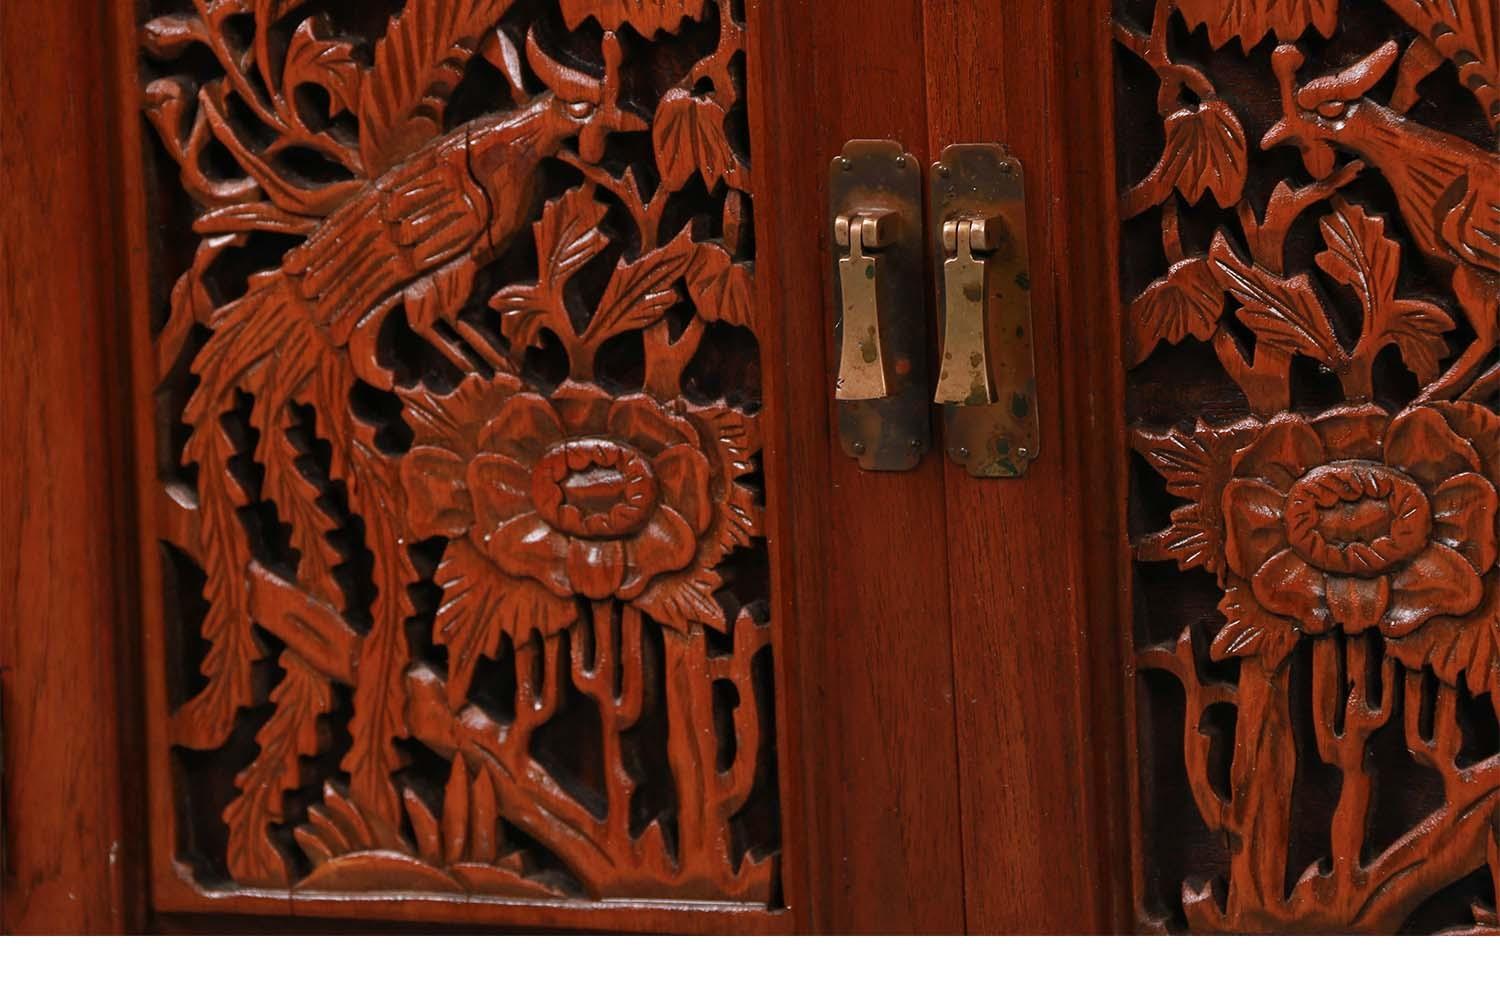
x=1332, y=109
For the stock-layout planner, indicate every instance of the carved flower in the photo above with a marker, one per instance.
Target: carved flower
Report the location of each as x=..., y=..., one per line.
x=1358, y=520
x=579, y=494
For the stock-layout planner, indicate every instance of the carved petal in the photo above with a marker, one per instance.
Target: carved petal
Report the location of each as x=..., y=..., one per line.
x=666, y=543
x=1287, y=585
x=1357, y=603
x=1439, y=581
x=596, y=567
x=1283, y=450
x=1480, y=426
x=437, y=498
x=584, y=409
x=1421, y=443
x=1352, y=432
x=529, y=546
x=501, y=488
x=1253, y=513
x=1463, y=514
x=683, y=473
x=647, y=426
x=524, y=428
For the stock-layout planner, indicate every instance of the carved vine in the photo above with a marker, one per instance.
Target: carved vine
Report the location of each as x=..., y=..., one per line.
x=1352, y=543
x=449, y=457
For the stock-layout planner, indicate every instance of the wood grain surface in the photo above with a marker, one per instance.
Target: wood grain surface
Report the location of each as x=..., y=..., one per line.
x=64, y=657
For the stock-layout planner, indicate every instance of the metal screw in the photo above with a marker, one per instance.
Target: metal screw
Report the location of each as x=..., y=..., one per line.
x=901, y=161
x=914, y=444
x=942, y=170
x=1006, y=166
x=846, y=163
x=858, y=447
x=1023, y=452
x=960, y=453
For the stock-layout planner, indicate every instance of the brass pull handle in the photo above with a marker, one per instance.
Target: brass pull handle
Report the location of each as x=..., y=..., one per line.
x=863, y=356
x=878, y=252
x=964, y=377
x=987, y=382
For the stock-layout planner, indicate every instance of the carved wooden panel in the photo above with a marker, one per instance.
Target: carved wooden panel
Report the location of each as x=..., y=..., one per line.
x=462, y=586
x=1311, y=260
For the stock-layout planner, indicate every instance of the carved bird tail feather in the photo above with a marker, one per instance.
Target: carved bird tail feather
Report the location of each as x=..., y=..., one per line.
x=262, y=336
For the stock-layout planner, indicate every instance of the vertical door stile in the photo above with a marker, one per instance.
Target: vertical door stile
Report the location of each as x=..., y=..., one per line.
x=867, y=563
x=1039, y=853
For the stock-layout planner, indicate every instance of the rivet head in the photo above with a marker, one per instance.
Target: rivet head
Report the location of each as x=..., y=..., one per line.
x=1006, y=166
x=914, y=444
x=961, y=453
x=942, y=170
x=846, y=163
x=858, y=447
x=1023, y=452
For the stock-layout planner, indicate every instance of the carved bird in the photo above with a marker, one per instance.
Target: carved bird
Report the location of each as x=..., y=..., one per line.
x=1447, y=189
x=417, y=233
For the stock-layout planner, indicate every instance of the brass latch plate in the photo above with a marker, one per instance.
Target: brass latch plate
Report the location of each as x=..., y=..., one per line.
x=877, y=241
x=988, y=381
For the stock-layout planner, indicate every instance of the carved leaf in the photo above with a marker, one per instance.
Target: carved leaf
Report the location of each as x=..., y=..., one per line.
x=1283, y=313
x=1186, y=302
x=688, y=135
x=640, y=291
x=1196, y=467
x=1251, y=20
x=1417, y=328
x=325, y=63
x=480, y=604
x=1205, y=151
x=720, y=288
x=416, y=66
x=645, y=16
x=1361, y=256
x=1251, y=631
x=567, y=238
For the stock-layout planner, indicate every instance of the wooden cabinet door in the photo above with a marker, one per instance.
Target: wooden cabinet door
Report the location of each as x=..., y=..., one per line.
x=1303, y=228
x=426, y=508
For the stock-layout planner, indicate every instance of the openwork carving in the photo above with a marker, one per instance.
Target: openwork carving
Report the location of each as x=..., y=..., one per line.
x=458, y=435
x=1311, y=258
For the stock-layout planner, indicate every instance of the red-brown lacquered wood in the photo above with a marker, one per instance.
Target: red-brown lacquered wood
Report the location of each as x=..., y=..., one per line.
x=64, y=662
x=866, y=550
x=363, y=890
x=1034, y=663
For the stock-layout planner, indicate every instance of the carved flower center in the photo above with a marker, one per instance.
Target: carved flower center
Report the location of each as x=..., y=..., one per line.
x=593, y=488
x=1357, y=518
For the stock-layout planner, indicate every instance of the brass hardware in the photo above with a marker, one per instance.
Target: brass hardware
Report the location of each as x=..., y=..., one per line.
x=987, y=379
x=875, y=228
x=964, y=376
x=862, y=372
